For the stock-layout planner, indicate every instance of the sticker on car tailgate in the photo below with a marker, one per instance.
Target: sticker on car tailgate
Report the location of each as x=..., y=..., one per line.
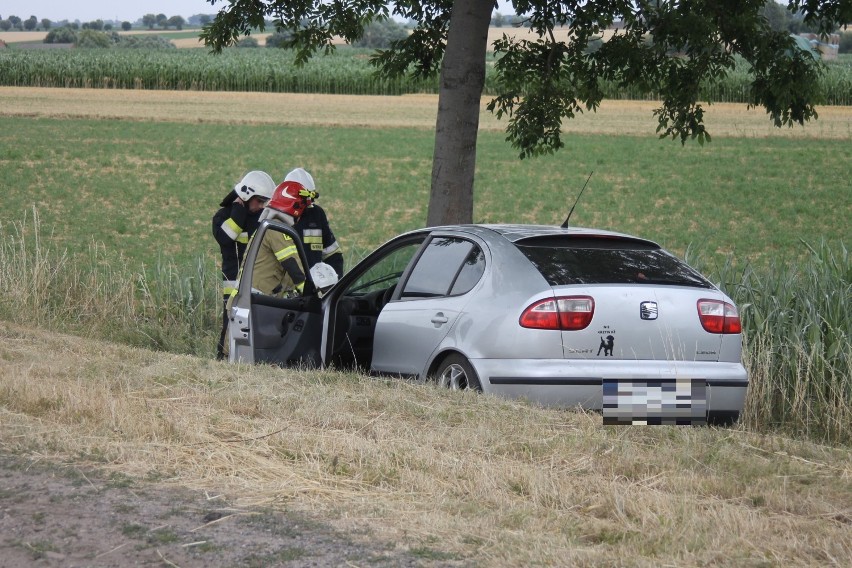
x=681, y=401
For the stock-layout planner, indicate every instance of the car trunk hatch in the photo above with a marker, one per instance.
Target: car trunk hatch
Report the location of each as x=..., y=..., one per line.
x=642, y=322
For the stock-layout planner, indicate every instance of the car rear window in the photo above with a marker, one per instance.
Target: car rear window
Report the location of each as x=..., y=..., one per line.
x=565, y=261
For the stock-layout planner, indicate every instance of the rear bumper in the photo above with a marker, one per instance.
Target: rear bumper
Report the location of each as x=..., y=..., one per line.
x=571, y=383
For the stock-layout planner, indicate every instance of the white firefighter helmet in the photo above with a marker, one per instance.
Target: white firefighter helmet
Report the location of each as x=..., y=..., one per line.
x=307, y=181
x=303, y=177
x=255, y=184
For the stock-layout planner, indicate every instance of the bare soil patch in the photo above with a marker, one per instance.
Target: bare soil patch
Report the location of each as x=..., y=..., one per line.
x=60, y=514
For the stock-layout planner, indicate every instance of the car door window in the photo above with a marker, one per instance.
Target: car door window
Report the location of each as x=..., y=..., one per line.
x=448, y=266
x=470, y=273
x=385, y=272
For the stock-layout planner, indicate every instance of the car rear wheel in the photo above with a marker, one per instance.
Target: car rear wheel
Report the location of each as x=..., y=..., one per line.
x=456, y=373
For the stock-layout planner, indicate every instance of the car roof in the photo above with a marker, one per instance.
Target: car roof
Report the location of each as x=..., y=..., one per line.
x=516, y=232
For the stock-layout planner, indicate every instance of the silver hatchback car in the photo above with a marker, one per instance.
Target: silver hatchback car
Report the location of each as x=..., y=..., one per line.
x=566, y=317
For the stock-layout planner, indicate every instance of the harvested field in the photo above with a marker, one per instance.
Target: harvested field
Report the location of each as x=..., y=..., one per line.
x=29, y=37
x=189, y=42
x=561, y=34
x=22, y=37
x=633, y=118
x=493, y=34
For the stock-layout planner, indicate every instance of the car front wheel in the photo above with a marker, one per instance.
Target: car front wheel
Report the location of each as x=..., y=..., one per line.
x=456, y=373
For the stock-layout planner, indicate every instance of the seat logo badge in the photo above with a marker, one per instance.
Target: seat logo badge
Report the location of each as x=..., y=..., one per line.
x=648, y=310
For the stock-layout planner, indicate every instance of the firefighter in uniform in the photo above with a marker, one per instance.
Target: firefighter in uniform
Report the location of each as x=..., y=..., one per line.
x=320, y=242
x=277, y=269
x=233, y=225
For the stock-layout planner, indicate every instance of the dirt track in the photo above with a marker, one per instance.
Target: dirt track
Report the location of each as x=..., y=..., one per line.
x=63, y=516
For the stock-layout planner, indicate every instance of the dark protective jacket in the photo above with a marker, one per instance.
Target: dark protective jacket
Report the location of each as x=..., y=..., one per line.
x=233, y=225
x=318, y=239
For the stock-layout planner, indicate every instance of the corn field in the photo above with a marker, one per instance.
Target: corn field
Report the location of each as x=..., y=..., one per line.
x=347, y=71
x=253, y=70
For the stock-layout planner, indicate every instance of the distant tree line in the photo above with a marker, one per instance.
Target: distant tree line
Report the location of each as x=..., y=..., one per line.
x=91, y=38
x=780, y=18
x=148, y=20
x=379, y=34
x=163, y=21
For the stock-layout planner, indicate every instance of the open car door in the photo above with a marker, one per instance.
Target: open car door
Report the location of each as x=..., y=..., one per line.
x=272, y=329
x=353, y=305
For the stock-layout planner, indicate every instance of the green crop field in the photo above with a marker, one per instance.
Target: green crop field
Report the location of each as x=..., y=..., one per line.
x=147, y=190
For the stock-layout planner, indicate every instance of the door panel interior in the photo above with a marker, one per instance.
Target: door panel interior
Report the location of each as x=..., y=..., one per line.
x=286, y=331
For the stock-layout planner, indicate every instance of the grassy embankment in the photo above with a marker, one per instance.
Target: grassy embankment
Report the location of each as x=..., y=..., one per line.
x=448, y=475
x=125, y=250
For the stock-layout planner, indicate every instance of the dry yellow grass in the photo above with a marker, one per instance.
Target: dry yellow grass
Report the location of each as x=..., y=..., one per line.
x=494, y=482
x=28, y=37
x=13, y=37
x=632, y=118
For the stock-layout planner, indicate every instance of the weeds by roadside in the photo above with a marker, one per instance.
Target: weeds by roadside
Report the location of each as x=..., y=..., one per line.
x=797, y=319
x=164, y=307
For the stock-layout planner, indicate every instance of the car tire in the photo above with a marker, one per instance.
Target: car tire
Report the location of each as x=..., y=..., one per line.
x=456, y=373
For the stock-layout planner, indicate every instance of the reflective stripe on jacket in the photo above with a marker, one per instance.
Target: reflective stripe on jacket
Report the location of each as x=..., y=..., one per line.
x=233, y=225
x=319, y=240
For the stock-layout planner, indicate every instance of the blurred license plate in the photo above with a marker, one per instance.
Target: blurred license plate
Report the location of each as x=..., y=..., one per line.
x=671, y=401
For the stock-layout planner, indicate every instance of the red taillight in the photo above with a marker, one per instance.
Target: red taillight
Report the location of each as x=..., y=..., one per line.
x=719, y=317
x=566, y=313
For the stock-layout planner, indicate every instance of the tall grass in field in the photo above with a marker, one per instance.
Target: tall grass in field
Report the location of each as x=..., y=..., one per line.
x=163, y=307
x=797, y=319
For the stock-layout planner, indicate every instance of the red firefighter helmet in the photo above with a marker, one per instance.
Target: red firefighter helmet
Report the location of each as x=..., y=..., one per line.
x=287, y=199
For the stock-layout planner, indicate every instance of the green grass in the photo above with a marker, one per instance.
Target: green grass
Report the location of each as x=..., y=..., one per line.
x=147, y=190
x=798, y=348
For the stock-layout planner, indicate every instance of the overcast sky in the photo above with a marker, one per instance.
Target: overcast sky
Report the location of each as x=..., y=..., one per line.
x=121, y=10
x=89, y=10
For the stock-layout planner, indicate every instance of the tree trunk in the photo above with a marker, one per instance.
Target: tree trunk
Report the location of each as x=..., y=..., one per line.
x=462, y=80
